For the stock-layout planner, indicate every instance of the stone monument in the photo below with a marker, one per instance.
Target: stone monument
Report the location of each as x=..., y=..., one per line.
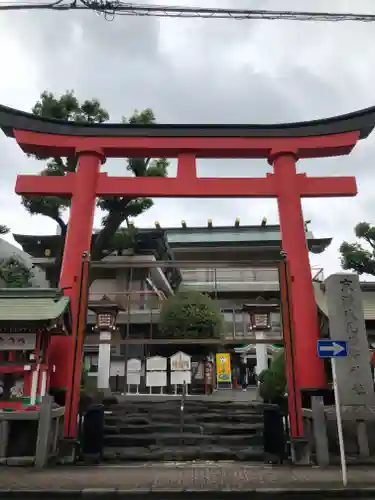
x=346, y=322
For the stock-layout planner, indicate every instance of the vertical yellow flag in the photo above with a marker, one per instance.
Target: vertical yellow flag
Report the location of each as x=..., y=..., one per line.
x=223, y=368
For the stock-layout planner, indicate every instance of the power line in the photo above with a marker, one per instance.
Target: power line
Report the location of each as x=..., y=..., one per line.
x=112, y=8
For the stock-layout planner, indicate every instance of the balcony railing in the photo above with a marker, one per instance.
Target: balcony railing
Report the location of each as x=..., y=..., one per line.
x=236, y=274
x=239, y=275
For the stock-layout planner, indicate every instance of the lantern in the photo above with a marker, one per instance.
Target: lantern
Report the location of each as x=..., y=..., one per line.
x=106, y=314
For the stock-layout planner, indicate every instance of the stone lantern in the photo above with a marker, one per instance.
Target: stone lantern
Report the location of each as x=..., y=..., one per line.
x=260, y=323
x=106, y=312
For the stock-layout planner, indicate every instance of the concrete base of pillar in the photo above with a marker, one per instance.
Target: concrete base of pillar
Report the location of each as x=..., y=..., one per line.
x=300, y=451
x=68, y=451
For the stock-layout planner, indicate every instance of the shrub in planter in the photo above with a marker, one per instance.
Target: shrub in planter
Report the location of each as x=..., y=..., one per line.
x=272, y=385
x=190, y=314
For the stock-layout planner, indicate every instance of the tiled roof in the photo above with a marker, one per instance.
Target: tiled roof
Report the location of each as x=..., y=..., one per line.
x=32, y=305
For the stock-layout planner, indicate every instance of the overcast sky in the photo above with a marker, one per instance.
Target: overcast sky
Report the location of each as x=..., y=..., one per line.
x=213, y=71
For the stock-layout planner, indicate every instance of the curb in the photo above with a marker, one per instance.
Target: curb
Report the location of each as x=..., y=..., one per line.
x=197, y=494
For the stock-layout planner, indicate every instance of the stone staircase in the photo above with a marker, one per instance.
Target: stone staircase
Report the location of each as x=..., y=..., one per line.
x=155, y=428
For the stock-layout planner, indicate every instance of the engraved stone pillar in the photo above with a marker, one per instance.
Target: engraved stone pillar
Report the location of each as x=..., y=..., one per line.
x=346, y=322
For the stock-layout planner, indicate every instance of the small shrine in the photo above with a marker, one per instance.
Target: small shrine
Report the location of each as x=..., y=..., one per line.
x=29, y=318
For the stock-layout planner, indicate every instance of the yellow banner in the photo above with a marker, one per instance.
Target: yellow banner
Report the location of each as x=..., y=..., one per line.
x=223, y=368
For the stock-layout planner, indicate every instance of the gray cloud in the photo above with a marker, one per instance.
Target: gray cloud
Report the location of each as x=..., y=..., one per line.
x=200, y=71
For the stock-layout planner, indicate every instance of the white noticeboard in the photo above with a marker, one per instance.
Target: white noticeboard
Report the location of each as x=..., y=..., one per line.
x=156, y=363
x=133, y=371
x=134, y=365
x=133, y=378
x=181, y=378
x=156, y=379
x=180, y=362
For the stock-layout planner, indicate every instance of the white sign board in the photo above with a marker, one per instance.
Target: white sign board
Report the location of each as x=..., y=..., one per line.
x=133, y=378
x=156, y=379
x=156, y=363
x=133, y=371
x=180, y=362
x=17, y=341
x=134, y=365
x=181, y=378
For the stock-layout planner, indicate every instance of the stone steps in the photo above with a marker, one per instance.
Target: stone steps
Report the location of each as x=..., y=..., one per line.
x=143, y=408
x=203, y=418
x=119, y=427
x=187, y=438
x=182, y=453
x=205, y=430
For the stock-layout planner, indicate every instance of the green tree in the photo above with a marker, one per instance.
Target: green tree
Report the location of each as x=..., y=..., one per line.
x=354, y=256
x=118, y=210
x=190, y=314
x=13, y=271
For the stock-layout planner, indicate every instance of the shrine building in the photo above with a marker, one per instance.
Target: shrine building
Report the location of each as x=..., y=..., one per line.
x=29, y=318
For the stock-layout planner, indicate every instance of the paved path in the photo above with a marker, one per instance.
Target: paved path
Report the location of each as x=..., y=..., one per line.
x=179, y=477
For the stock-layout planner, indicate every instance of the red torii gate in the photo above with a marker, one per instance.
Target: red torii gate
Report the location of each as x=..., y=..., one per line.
x=281, y=145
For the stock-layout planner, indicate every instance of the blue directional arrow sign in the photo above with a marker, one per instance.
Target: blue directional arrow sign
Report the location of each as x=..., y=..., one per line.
x=332, y=349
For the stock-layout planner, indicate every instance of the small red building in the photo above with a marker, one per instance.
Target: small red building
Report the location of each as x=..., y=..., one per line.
x=28, y=319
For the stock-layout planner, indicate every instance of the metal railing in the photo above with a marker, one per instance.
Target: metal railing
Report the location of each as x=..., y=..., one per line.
x=240, y=275
x=234, y=274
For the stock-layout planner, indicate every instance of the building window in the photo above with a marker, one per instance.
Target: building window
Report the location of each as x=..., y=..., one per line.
x=239, y=329
x=275, y=321
x=228, y=315
x=228, y=326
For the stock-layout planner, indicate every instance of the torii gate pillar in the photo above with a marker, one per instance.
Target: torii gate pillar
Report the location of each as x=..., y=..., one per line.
x=309, y=367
